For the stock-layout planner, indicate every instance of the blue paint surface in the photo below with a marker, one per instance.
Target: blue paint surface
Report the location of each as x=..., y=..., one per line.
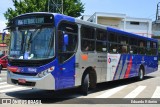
x=58, y=18
x=150, y=64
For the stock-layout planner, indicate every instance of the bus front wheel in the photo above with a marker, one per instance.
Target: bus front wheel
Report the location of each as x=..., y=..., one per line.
x=85, y=84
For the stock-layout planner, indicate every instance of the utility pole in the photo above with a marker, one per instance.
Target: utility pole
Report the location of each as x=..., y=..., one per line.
x=55, y=6
x=158, y=12
x=156, y=24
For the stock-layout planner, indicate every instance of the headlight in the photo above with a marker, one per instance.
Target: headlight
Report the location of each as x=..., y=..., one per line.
x=45, y=72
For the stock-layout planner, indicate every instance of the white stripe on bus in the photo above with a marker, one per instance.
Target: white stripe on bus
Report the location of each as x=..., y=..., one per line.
x=110, y=92
x=135, y=92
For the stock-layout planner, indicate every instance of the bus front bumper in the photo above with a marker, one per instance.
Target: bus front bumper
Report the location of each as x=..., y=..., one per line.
x=47, y=82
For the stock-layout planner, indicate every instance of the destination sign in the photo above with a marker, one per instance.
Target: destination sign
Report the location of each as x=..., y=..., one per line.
x=28, y=21
x=34, y=19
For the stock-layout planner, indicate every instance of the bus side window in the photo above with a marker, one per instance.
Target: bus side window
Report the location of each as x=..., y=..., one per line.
x=88, y=38
x=113, y=48
x=124, y=49
x=153, y=48
x=88, y=45
x=132, y=45
x=142, y=47
x=101, y=40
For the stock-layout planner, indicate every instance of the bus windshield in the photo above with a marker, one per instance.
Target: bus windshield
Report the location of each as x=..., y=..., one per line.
x=32, y=43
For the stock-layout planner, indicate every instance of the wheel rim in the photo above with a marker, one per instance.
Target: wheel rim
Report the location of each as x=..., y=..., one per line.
x=141, y=74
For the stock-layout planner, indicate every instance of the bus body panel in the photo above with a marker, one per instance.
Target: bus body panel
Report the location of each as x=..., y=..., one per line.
x=58, y=18
x=108, y=66
x=66, y=74
x=30, y=75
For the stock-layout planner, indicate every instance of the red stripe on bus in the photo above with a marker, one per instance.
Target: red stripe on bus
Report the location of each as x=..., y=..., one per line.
x=128, y=68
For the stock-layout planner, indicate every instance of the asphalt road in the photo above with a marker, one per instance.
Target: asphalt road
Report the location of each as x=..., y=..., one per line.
x=105, y=93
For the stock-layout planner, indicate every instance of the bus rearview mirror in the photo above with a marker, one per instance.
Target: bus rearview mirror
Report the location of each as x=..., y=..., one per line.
x=65, y=38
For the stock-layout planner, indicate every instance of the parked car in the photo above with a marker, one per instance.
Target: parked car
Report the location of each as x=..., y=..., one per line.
x=3, y=62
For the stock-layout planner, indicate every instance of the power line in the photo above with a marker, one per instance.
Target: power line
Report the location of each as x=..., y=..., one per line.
x=55, y=6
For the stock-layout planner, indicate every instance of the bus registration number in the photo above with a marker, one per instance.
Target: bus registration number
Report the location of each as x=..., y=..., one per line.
x=23, y=81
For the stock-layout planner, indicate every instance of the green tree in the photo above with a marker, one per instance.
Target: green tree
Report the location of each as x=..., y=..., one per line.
x=72, y=8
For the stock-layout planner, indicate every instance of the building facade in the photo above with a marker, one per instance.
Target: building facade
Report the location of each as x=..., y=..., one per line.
x=141, y=26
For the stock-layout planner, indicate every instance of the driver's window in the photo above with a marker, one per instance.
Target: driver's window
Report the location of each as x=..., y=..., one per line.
x=67, y=47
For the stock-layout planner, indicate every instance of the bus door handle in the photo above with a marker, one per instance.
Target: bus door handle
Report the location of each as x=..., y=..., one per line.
x=142, y=61
x=62, y=69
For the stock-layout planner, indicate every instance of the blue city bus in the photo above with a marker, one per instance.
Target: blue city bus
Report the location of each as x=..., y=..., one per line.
x=52, y=51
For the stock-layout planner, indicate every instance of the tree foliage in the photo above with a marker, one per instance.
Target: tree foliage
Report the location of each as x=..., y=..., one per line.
x=71, y=7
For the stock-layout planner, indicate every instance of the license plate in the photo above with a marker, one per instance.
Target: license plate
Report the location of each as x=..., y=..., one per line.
x=22, y=81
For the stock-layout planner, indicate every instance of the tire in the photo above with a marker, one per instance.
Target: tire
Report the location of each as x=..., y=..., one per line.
x=141, y=74
x=85, y=84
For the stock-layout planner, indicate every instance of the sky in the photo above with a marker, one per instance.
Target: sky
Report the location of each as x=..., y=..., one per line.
x=132, y=8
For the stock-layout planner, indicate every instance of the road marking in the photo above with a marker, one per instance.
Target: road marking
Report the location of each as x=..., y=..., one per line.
x=135, y=92
x=13, y=89
x=156, y=93
x=110, y=92
x=6, y=86
x=2, y=83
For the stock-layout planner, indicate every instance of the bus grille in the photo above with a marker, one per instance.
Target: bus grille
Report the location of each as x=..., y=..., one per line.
x=28, y=63
x=25, y=74
x=24, y=84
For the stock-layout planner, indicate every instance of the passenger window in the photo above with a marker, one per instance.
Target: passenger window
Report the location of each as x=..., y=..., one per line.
x=142, y=47
x=112, y=37
x=122, y=39
x=113, y=48
x=133, y=41
x=154, y=48
x=87, y=32
x=88, y=38
x=141, y=43
x=88, y=45
x=101, y=35
x=101, y=40
x=133, y=49
x=122, y=48
x=148, y=49
x=101, y=46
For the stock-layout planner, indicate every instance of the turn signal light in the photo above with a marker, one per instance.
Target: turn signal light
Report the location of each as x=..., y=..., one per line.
x=12, y=69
